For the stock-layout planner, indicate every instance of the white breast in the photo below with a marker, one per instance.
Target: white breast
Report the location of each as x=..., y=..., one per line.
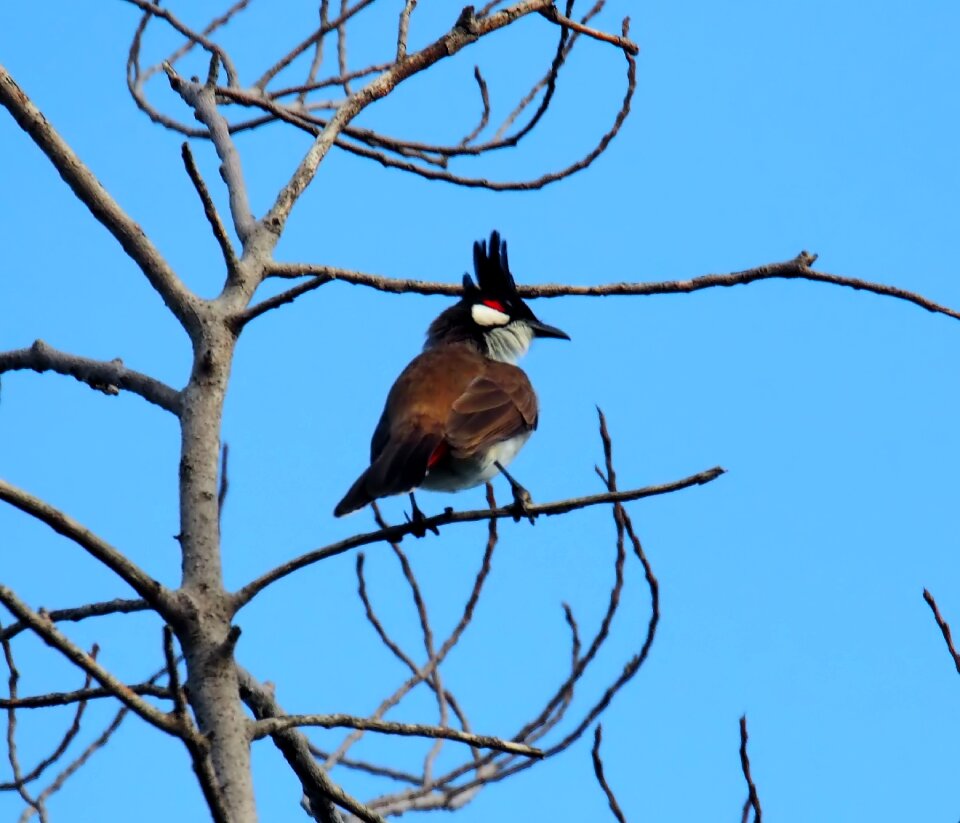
x=465, y=474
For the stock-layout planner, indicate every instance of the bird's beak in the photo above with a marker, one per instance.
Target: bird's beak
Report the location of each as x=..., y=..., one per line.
x=543, y=330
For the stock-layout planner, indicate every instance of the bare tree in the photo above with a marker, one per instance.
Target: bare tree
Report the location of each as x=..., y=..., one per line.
x=218, y=709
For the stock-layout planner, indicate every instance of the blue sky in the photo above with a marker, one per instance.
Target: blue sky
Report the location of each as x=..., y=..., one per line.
x=791, y=587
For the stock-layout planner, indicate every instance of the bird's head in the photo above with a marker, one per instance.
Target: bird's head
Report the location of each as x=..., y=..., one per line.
x=491, y=313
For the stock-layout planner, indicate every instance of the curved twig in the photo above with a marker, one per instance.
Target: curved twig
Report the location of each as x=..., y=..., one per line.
x=601, y=778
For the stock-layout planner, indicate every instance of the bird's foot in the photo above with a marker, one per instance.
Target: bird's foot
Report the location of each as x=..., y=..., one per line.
x=418, y=520
x=522, y=500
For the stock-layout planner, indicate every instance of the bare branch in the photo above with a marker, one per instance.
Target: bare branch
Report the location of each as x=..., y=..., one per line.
x=117, y=606
x=466, y=30
x=78, y=762
x=485, y=101
x=489, y=771
x=154, y=10
x=43, y=701
x=796, y=269
x=210, y=210
x=65, y=741
x=319, y=34
x=753, y=800
x=281, y=299
x=345, y=721
x=18, y=779
x=144, y=585
x=944, y=628
x=342, y=46
x=107, y=377
x=53, y=637
x=404, y=28
x=202, y=99
x=103, y=207
x=554, y=16
x=435, y=680
x=173, y=677
x=248, y=592
x=320, y=790
x=601, y=779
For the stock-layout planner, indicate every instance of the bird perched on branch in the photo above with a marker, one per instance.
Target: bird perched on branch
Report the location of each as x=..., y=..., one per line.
x=461, y=410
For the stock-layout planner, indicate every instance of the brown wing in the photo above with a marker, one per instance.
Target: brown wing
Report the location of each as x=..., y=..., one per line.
x=496, y=406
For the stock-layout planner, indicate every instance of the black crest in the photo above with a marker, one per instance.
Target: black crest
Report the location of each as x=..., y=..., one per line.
x=492, y=269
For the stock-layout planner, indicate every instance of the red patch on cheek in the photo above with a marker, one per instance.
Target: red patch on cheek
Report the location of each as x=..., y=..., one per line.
x=495, y=305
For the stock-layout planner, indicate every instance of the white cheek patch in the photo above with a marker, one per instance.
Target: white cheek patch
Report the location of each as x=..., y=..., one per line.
x=485, y=316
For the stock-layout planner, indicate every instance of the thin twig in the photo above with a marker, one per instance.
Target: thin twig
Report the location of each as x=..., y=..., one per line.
x=601, y=779
x=281, y=299
x=117, y=606
x=296, y=51
x=435, y=678
x=210, y=210
x=316, y=783
x=433, y=663
x=154, y=10
x=273, y=725
x=485, y=101
x=65, y=741
x=753, y=799
x=466, y=30
x=79, y=761
x=944, y=628
x=54, y=638
x=43, y=701
x=403, y=28
x=173, y=677
x=625, y=43
x=12, y=757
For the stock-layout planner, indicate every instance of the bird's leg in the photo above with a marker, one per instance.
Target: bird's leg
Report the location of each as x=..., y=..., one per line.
x=521, y=497
x=418, y=520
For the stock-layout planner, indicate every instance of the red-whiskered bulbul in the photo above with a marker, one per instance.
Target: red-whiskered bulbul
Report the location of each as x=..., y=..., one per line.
x=461, y=410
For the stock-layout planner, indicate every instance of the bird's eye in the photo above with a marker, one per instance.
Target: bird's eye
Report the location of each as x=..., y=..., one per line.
x=496, y=305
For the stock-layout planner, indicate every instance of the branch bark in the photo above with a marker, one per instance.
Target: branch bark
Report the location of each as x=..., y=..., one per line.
x=108, y=377
x=149, y=589
x=346, y=721
x=796, y=269
x=54, y=638
x=318, y=788
x=252, y=589
x=104, y=208
x=466, y=30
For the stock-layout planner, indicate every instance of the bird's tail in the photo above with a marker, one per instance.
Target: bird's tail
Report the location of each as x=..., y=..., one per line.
x=356, y=498
x=400, y=467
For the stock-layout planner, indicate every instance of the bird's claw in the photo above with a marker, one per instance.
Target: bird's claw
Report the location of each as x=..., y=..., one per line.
x=521, y=504
x=418, y=522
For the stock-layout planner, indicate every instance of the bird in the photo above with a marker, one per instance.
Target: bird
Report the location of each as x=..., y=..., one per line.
x=461, y=410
